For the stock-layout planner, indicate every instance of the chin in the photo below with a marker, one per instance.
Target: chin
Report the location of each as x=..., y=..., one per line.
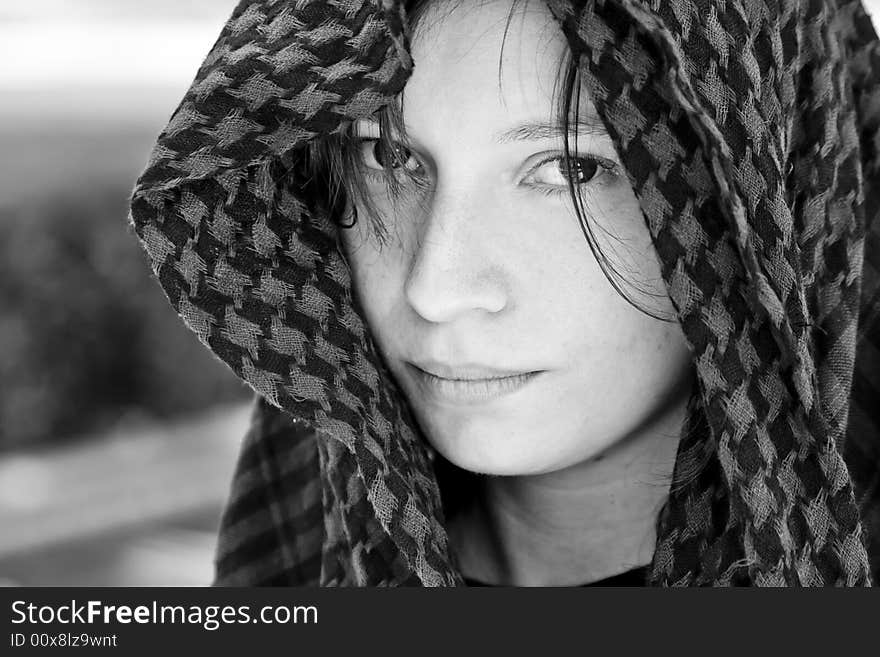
x=491, y=451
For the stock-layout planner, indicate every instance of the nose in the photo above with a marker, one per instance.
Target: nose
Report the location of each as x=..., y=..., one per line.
x=453, y=272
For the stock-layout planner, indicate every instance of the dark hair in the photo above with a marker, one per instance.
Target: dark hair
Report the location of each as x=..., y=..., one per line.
x=335, y=162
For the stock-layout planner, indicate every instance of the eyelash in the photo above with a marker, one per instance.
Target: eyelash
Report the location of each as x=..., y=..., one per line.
x=605, y=169
x=370, y=172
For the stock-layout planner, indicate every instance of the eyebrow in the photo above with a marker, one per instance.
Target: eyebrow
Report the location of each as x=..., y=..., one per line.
x=536, y=131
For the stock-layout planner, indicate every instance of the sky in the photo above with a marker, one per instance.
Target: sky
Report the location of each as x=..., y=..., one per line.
x=102, y=58
x=106, y=41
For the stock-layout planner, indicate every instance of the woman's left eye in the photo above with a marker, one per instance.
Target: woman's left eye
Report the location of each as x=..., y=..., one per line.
x=556, y=173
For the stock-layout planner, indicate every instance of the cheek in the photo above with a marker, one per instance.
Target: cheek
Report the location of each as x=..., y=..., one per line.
x=625, y=243
x=568, y=271
x=377, y=275
x=621, y=362
x=632, y=364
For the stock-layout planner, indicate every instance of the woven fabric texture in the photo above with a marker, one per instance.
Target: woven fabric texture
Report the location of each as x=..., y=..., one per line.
x=750, y=132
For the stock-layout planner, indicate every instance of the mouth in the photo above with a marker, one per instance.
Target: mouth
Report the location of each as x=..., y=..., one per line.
x=467, y=384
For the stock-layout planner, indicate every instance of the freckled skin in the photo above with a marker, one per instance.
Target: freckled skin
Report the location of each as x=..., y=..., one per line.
x=486, y=269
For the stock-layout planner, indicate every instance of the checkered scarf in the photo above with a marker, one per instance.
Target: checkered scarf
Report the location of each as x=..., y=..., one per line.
x=750, y=132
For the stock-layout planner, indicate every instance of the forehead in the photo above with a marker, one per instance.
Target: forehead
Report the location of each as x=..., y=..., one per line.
x=483, y=63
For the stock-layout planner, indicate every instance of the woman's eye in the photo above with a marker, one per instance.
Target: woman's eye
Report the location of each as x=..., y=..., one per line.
x=378, y=155
x=557, y=172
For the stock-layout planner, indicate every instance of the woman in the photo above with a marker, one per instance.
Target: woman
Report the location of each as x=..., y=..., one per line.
x=535, y=306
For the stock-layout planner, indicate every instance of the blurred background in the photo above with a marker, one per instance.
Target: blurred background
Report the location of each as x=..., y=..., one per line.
x=118, y=430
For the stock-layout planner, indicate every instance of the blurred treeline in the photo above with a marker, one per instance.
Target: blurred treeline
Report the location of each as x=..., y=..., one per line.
x=88, y=341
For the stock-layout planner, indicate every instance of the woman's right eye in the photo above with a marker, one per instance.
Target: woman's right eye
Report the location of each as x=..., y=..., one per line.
x=379, y=156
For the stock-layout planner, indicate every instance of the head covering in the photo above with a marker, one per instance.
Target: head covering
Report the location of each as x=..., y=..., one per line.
x=750, y=132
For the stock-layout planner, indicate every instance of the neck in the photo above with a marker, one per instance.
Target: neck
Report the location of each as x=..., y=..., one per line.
x=583, y=523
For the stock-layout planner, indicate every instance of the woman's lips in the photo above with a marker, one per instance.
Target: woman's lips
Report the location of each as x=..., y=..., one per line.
x=471, y=385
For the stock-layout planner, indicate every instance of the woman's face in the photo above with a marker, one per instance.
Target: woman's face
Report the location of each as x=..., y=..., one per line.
x=513, y=349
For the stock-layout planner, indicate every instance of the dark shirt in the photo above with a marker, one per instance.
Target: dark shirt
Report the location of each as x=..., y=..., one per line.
x=635, y=577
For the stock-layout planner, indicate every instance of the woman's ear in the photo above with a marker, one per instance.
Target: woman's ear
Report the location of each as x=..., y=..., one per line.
x=349, y=214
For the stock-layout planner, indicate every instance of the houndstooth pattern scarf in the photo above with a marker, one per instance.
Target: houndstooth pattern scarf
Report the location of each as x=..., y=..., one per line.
x=750, y=133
